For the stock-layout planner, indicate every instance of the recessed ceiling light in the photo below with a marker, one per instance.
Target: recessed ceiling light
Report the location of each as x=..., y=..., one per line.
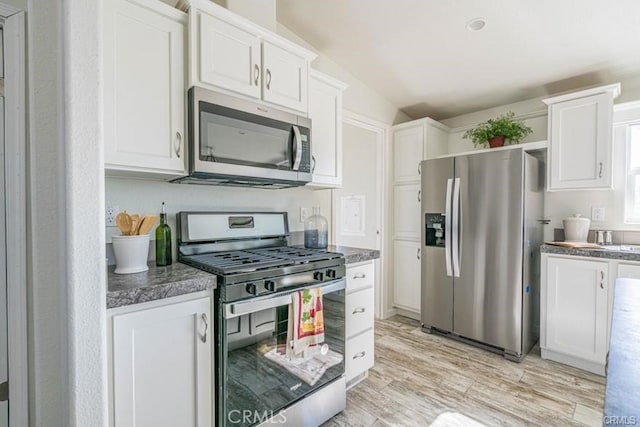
x=476, y=24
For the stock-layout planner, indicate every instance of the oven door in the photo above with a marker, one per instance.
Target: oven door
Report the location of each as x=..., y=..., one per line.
x=256, y=379
x=234, y=137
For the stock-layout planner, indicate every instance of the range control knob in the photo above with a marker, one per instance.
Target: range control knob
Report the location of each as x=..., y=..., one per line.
x=318, y=275
x=270, y=285
x=331, y=273
x=251, y=288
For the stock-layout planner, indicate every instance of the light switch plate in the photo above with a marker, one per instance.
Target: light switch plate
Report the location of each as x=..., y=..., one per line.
x=597, y=214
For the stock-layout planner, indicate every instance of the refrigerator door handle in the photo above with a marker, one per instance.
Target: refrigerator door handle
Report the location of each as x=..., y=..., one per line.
x=447, y=228
x=455, y=228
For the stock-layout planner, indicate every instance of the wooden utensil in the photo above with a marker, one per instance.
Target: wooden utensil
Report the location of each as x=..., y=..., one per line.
x=147, y=224
x=135, y=223
x=136, y=228
x=123, y=220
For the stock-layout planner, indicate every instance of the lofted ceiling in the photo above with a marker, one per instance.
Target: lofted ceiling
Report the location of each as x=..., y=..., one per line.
x=420, y=56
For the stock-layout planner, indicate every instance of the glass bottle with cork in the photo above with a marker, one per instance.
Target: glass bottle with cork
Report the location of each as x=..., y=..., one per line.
x=163, y=241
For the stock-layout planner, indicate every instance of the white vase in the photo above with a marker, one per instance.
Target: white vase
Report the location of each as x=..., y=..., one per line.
x=131, y=253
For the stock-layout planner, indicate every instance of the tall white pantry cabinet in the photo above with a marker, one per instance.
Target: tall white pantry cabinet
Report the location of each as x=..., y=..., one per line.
x=412, y=142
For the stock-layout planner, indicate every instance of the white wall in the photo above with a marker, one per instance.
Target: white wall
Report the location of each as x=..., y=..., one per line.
x=358, y=97
x=145, y=196
x=65, y=283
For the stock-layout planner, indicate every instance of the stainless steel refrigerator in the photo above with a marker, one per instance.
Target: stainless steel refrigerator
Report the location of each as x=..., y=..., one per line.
x=481, y=233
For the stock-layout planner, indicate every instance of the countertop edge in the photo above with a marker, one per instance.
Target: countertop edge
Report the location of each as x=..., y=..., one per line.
x=591, y=253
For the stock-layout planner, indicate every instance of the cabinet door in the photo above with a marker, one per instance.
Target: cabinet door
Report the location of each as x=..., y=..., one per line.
x=162, y=366
x=629, y=270
x=406, y=211
x=144, y=87
x=325, y=112
x=225, y=55
x=406, y=275
x=285, y=80
x=407, y=152
x=576, y=308
x=581, y=143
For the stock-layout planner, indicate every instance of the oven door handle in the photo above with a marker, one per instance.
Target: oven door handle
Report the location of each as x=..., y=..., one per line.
x=264, y=303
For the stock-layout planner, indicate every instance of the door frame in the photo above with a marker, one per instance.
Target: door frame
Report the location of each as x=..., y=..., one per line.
x=13, y=22
x=382, y=131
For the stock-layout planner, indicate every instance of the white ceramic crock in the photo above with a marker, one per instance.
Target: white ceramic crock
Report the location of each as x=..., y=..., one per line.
x=576, y=228
x=131, y=253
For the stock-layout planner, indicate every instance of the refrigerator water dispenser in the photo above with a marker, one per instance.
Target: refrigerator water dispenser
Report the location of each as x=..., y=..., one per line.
x=435, y=235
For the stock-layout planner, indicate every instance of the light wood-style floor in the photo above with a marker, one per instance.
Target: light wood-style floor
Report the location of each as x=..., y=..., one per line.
x=418, y=376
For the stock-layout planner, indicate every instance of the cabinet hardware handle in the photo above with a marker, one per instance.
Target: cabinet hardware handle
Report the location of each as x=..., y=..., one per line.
x=178, y=143
x=419, y=168
x=418, y=253
x=360, y=276
x=313, y=159
x=256, y=74
x=600, y=173
x=358, y=355
x=358, y=310
x=268, y=79
x=206, y=327
x=419, y=194
x=264, y=110
x=601, y=279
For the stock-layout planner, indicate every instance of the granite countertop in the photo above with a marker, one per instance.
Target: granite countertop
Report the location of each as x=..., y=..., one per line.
x=156, y=283
x=625, y=255
x=622, y=398
x=179, y=279
x=353, y=255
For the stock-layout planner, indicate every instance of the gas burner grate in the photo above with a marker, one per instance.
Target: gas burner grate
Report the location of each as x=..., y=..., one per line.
x=238, y=261
x=297, y=255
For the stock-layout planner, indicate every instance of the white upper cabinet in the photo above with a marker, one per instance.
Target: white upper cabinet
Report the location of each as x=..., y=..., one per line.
x=229, y=53
x=144, y=87
x=228, y=56
x=406, y=211
x=325, y=112
x=407, y=153
x=416, y=141
x=285, y=78
x=580, y=139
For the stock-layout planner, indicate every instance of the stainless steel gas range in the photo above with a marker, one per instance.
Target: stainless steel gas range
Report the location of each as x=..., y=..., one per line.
x=258, y=274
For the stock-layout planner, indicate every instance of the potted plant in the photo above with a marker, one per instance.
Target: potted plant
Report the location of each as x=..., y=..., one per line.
x=494, y=132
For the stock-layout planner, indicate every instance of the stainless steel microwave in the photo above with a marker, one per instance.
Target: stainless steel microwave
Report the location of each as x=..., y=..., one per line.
x=237, y=142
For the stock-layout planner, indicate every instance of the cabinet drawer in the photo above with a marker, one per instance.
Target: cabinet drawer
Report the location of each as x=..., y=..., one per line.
x=359, y=311
x=360, y=276
x=359, y=354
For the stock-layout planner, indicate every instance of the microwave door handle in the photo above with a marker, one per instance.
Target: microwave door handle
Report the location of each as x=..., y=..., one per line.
x=297, y=148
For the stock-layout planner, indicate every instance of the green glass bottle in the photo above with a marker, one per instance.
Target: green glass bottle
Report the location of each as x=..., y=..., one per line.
x=163, y=241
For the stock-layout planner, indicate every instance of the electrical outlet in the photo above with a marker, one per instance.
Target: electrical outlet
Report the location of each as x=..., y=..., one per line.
x=110, y=213
x=304, y=214
x=597, y=214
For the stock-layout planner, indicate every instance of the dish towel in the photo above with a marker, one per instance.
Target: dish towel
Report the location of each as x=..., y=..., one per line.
x=307, y=327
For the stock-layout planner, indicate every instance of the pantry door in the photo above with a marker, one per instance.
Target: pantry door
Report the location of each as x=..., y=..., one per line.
x=357, y=206
x=4, y=355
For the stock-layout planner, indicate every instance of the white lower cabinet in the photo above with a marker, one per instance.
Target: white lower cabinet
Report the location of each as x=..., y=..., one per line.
x=575, y=299
x=406, y=275
x=359, y=306
x=628, y=270
x=160, y=364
